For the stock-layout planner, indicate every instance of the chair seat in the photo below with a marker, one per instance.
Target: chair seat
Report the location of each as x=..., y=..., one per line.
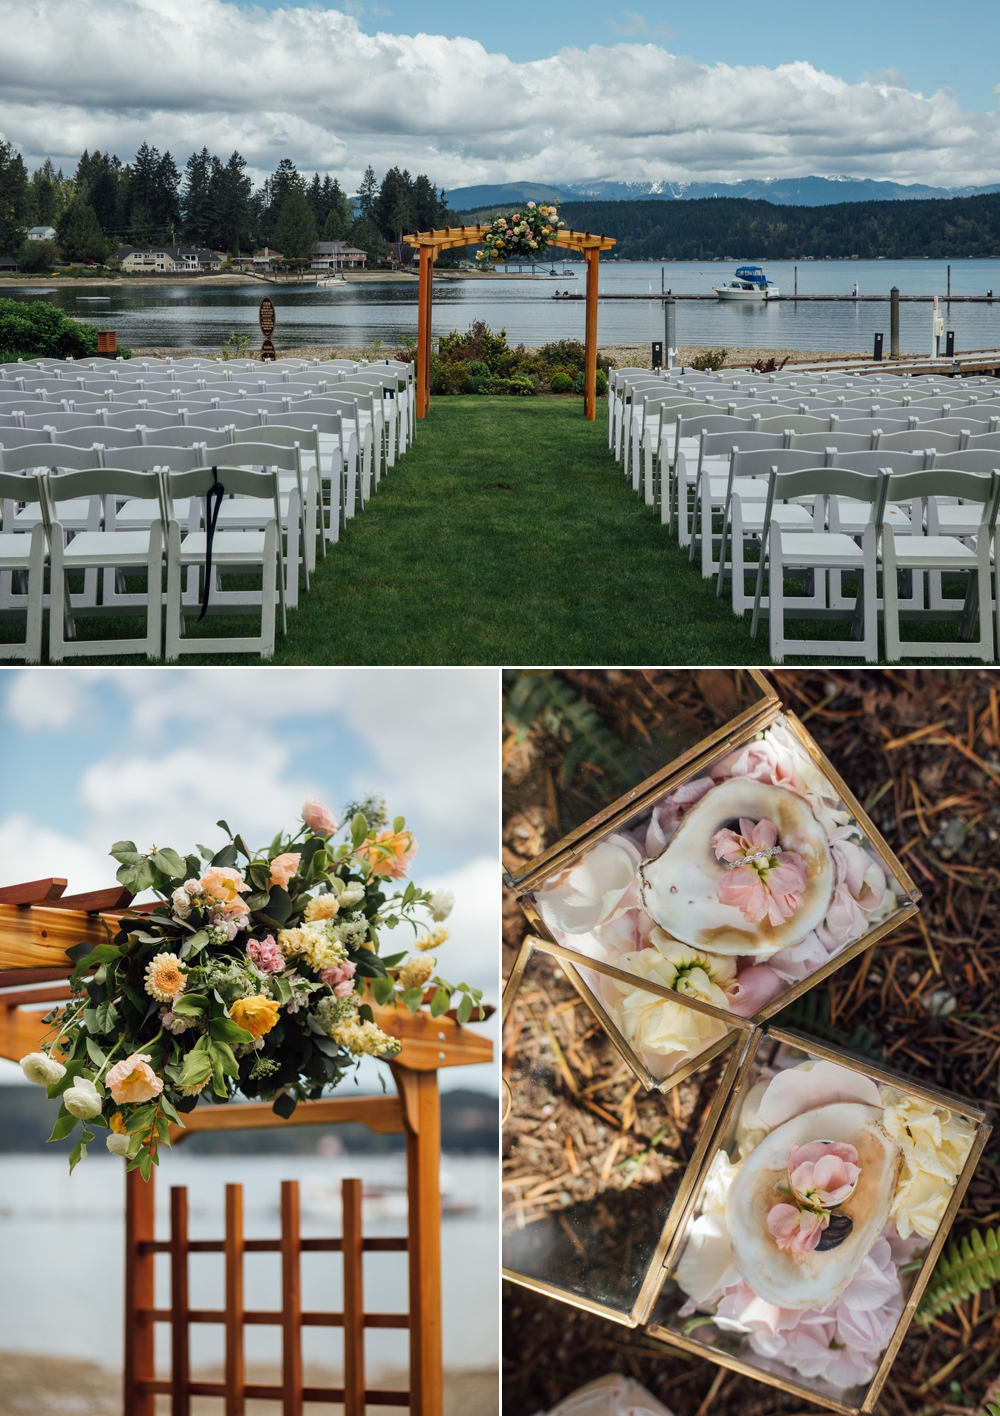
x=72, y=515
x=820, y=548
x=752, y=516
x=934, y=552
x=103, y=548
x=139, y=511
x=232, y=547
x=15, y=551
x=855, y=518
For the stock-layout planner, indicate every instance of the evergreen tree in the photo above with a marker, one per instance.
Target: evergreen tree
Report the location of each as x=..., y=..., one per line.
x=232, y=205
x=315, y=195
x=295, y=234
x=198, y=213
x=367, y=192
x=339, y=215
x=15, y=200
x=47, y=203
x=277, y=189
x=80, y=234
x=167, y=208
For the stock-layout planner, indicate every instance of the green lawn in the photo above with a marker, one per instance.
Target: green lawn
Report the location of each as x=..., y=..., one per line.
x=507, y=536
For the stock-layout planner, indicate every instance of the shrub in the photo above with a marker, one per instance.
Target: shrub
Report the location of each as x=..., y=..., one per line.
x=519, y=386
x=561, y=382
x=35, y=329
x=601, y=383
x=711, y=359
x=38, y=256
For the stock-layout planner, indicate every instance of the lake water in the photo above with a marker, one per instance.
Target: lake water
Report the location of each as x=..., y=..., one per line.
x=61, y=1238
x=186, y=316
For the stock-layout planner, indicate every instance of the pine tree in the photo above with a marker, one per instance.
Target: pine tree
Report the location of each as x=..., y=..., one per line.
x=232, y=205
x=80, y=234
x=295, y=234
x=15, y=200
x=198, y=213
x=367, y=192
x=277, y=189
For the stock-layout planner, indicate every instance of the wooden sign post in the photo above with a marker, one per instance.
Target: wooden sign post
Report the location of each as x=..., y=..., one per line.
x=428, y=243
x=267, y=322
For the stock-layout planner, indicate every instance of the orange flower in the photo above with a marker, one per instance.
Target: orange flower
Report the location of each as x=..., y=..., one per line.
x=390, y=853
x=283, y=867
x=117, y=1124
x=133, y=1080
x=258, y=1014
x=221, y=882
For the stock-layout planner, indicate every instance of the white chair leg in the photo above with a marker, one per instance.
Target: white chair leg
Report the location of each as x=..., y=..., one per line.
x=890, y=599
x=174, y=623
x=985, y=644
x=154, y=592
x=57, y=601
x=268, y=590
x=775, y=595
x=870, y=592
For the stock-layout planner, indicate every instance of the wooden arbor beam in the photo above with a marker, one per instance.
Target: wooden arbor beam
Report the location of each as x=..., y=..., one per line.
x=428, y=243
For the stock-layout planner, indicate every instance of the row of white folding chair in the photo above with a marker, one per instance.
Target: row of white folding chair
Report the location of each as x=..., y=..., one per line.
x=783, y=551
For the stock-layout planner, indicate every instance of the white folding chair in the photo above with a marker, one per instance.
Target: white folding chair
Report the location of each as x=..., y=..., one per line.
x=22, y=554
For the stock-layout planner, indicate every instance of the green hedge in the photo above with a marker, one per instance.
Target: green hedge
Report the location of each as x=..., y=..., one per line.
x=38, y=330
x=480, y=361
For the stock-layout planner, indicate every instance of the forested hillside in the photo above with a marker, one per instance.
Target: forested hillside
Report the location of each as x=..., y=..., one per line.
x=737, y=229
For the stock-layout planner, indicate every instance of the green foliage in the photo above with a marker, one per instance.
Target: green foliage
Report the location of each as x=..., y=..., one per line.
x=542, y=695
x=561, y=382
x=236, y=346
x=295, y=234
x=35, y=329
x=38, y=256
x=737, y=227
x=15, y=200
x=80, y=234
x=962, y=1270
x=711, y=359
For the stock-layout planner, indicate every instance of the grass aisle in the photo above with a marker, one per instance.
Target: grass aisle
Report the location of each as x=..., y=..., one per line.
x=505, y=536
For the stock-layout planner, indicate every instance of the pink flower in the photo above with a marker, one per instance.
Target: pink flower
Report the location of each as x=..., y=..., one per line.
x=796, y=1230
x=283, y=867
x=266, y=954
x=318, y=818
x=764, y=882
x=221, y=882
x=531, y=206
x=133, y=1080
x=339, y=978
x=823, y=1171
x=751, y=989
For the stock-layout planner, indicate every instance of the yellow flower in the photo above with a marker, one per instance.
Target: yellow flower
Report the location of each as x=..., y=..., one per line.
x=365, y=1039
x=258, y=1014
x=164, y=977
x=195, y=1090
x=322, y=907
x=117, y=1123
x=416, y=971
x=654, y=1024
x=433, y=939
x=935, y=1145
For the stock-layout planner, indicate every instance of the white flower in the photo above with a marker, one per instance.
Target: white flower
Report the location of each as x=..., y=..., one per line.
x=592, y=889
x=42, y=1069
x=441, y=904
x=658, y=1025
x=351, y=895
x=182, y=902
x=721, y=1174
x=935, y=1145
x=117, y=1145
x=83, y=1100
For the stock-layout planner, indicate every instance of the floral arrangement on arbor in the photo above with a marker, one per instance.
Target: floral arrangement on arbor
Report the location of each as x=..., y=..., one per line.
x=249, y=974
x=522, y=236
x=816, y=1209
x=730, y=888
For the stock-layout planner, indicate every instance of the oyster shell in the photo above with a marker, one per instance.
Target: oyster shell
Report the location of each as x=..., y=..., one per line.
x=811, y=1280
x=678, y=889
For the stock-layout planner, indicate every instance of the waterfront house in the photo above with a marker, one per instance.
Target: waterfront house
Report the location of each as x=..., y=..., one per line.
x=336, y=255
x=172, y=260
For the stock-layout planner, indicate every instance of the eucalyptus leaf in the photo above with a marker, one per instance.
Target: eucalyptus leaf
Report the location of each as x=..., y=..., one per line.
x=79, y=1151
x=440, y=1003
x=194, y=944
x=223, y=826
x=465, y=1006
x=327, y=1046
x=98, y=1058
x=65, y=1123
x=412, y=997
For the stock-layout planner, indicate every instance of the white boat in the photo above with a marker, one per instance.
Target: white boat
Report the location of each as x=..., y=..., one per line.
x=325, y=280
x=749, y=283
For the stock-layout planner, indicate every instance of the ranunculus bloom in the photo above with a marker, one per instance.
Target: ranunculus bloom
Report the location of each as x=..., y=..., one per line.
x=117, y=1145
x=283, y=867
x=352, y=895
x=266, y=954
x=823, y=1172
x=592, y=889
x=221, y=882
x=318, y=818
x=764, y=882
x=441, y=904
x=390, y=853
x=415, y=972
x=133, y=1080
x=258, y=1014
x=41, y=1069
x=83, y=1100
x=935, y=1145
x=321, y=907
x=794, y=1229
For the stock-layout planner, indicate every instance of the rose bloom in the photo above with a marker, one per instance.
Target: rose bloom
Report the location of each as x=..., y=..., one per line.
x=133, y=1080
x=770, y=888
x=117, y=1145
x=796, y=1230
x=258, y=1014
x=266, y=954
x=339, y=978
x=318, y=818
x=221, y=882
x=823, y=1171
x=322, y=907
x=391, y=853
x=283, y=867
x=41, y=1069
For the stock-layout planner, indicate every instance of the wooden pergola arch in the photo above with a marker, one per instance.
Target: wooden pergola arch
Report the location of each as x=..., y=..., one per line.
x=429, y=243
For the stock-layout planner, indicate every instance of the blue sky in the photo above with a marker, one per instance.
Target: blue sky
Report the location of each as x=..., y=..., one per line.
x=159, y=755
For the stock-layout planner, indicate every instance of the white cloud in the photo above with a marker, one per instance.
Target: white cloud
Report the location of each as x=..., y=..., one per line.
x=46, y=698
x=307, y=83
x=33, y=852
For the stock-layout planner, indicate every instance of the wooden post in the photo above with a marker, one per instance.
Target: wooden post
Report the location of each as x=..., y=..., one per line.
x=423, y=1169
x=590, y=359
x=291, y=1302
x=235, y=1357
x=180, y=1347
x=431, y=257
x=140, y=1228
x=354, y=1301
x=424, y=332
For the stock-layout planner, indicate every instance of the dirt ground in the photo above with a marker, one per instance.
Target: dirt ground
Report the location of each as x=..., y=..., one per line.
x=921, y=750
x=56, y=1386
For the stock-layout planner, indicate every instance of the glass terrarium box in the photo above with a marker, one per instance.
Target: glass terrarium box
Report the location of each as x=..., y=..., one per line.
x=736, y=875
x=597, y=1170
x=813, y=1227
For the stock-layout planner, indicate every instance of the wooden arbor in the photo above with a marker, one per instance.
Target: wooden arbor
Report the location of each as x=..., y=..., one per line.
x=429, y=243
x=37, y=925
